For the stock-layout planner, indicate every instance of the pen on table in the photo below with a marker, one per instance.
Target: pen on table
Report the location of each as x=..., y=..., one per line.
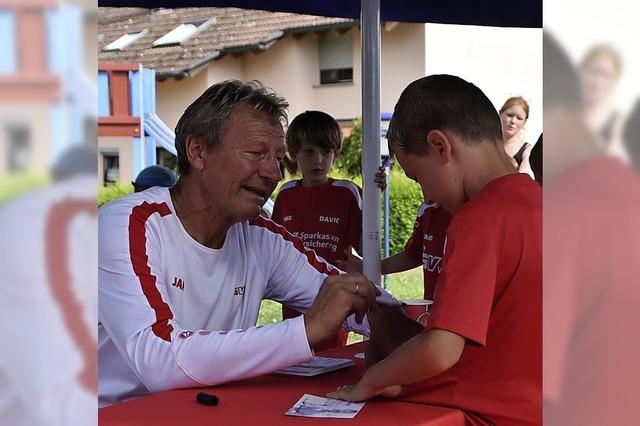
x=207, y=399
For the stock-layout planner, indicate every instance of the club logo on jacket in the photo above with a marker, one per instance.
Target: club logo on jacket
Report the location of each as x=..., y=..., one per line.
x=239, y=291
x=178, y=283
x=329, y=219
x=185, y=334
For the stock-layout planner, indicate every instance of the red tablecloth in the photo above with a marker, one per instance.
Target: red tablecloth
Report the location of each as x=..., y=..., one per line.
x=263, y=401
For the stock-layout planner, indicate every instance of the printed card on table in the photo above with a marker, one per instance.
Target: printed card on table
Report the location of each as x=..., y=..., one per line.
x=316, y=366
x=316, y=406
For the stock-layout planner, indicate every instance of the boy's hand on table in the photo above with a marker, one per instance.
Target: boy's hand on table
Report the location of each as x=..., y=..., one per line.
x=361, y=392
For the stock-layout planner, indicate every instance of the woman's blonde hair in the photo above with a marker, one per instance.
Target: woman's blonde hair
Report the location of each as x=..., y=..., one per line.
x=603, y=50
x=516, y=100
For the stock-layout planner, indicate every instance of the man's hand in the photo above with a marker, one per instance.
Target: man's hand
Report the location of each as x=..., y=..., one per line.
x=381, y=178
x=339, y=297
x=390, y=328
x=351, y=265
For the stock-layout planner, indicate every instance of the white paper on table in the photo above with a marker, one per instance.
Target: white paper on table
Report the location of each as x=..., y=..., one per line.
x=316, y=366
x=316, y=406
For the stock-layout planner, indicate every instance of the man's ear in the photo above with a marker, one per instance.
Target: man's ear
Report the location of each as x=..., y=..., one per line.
x=196, y=149
x=439, y=143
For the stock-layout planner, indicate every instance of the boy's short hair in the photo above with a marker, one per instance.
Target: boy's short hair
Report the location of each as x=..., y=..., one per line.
x=443, y=102
x=315, y=128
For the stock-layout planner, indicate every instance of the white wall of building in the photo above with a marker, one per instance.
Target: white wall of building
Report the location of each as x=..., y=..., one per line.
x=174, y=96
x=227, y=67
x=503, y=62
x=123, y=147
x=289, y=67
x=403, y=59
x=613, y=22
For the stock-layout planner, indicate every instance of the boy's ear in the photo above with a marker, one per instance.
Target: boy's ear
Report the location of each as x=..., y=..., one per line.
x=196, y=148
x=439, y=144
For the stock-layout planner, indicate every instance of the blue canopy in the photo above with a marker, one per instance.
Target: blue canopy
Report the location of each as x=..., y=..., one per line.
x=499, y=13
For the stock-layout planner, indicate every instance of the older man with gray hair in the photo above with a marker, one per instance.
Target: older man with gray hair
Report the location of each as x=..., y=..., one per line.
x=182, y=270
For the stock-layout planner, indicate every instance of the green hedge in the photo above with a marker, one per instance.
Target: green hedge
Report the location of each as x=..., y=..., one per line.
x=113, y=192
x=14, y=185
x=349, y=160
x=405, y=199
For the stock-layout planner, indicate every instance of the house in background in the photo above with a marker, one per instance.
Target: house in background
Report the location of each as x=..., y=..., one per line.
x=313, y=61
x=128, y=128
x=47, y=81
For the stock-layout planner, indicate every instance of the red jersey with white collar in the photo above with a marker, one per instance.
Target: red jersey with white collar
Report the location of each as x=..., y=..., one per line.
x=328, y=218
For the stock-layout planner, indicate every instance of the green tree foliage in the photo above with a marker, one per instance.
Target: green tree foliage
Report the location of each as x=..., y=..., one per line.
x=405, y=199
x=349, y=161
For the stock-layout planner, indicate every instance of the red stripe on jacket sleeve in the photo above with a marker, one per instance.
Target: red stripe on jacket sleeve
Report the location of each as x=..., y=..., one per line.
x=312, y=258
x=140, y=262
x=58, y=249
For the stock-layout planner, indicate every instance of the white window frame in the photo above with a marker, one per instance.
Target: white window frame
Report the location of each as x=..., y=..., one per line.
x=182, y=33
x=124, y=41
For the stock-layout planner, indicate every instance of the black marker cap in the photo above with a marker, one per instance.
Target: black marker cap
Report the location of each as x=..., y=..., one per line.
x=207, y=399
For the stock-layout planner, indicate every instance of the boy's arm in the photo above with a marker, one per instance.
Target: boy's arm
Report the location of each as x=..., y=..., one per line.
x=397, y=263
x=424, y=356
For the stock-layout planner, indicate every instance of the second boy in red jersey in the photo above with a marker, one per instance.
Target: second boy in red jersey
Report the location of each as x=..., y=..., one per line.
x=325, y=213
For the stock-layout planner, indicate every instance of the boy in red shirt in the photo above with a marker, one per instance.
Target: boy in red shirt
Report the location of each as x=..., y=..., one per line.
x=325, y=213
x=482, y=350
x=424, y=247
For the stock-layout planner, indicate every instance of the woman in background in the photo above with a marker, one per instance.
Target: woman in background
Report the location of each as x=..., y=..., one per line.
x=599, y=73
x=513, y=116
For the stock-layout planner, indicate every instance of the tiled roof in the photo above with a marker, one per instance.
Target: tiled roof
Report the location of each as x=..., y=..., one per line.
x=233, y=30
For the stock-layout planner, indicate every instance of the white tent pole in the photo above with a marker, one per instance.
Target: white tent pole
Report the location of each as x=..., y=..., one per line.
x=370, y=30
